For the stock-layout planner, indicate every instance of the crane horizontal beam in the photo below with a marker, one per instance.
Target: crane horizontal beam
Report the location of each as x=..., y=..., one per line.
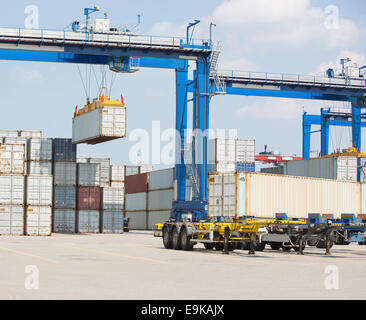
x=103, y=44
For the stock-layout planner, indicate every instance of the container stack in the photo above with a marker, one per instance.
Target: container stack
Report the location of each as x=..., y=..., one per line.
x=149, y=197
x=88, y=201
x=64, y=199
x=12, y=171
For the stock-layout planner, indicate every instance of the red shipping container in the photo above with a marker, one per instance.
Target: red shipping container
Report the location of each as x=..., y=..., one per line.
x=137, y=183
x=89, y=198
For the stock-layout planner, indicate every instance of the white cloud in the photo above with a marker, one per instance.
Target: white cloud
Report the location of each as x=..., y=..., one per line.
x=238, y=12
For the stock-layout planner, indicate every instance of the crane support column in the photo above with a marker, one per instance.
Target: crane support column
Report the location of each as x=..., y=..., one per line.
x=324, y=131
x=306, y=136
x=357, y=104
x=181, y=76
x=201, y=123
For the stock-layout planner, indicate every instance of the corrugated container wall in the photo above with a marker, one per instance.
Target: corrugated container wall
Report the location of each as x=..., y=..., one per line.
x=263, y=195
x=88, y=174
x=12, y=189
x=161, y=179
x=273, y=170
x=88, y=198
x=39, y=149
x=112, y=221
x=38, y=221
x=64, y=150
x=104, y=170
x=39, y=190
x=18, y=140
x=64, y=197
x=113, y=198
x=64, y=220
x=64, y=173
x=12, y=159
x=117, y=173
x=132, y=170
x=39, y=167
x=88, y=221
x=9, y=133
x=137, y=183
x=11, y=220
x=30, y=134
x=99, y=125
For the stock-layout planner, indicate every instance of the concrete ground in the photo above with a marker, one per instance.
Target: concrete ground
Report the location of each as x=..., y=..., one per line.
x=135, y=265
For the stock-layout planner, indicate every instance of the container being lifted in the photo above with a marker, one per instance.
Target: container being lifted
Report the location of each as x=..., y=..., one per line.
x=100, y=121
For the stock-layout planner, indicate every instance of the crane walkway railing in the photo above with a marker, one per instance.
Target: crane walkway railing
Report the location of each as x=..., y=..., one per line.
x=54, y=37
x=290, y=79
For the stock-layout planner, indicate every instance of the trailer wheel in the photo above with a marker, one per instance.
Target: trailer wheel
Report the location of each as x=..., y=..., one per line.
x=275, y=245
x=208, y=246
x=312, y=242
x=177, y=245
x=260, y=246
x=321, y=244
x=167, y=238
x=286, y=247
x=185, y=240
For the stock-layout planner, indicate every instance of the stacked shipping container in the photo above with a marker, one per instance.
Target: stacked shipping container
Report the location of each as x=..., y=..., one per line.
x=64, y=199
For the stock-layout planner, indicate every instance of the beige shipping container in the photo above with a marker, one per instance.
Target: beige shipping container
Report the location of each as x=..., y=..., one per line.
x=263, y=195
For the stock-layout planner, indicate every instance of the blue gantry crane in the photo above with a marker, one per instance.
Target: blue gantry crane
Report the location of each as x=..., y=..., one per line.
x=124, y=51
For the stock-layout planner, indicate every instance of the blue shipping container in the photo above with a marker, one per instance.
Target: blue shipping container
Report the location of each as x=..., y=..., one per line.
x=245, y=166
x=64, y=197
x=64, y=150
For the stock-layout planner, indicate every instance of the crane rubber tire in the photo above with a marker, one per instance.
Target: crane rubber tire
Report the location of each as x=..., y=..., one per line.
x=167, y=238
x=176, y=239
x=185, y=240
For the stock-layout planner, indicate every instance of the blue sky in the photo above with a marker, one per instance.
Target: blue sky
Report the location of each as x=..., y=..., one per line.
x=264, y=35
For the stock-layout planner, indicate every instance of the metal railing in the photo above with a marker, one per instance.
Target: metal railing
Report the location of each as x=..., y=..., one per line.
x=86, y=38
x=294, y=79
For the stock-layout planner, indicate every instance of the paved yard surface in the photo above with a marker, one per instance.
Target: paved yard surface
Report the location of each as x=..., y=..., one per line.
x=136, y=266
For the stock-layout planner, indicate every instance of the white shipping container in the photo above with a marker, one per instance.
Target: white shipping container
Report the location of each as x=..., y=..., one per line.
x=117, y=184
x=12, y=159
x=89, y=174
x=38, y=221
x=11, y=220
x=113, y=198
x=99, y=125
x=30, y=133
x=104, y=170
x=112, y=221
x=82, y=160
x=39, y=167
x=40, y=149
x=245, y=150
x=64, y=173
x=39, y=189
x=12, y=189
x=138, y=220
x=117, y=173
x=161, y=179
x=8, y=133
x=340, y=168
x=222, y=150
x=144, y=169
x=88, y=221
x=64, y=220
x=136, y=201
x=222, y=167
x=264, y=195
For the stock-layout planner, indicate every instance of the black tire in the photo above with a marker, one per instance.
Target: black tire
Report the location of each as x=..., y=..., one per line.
x=275, y=245
x=232, y=246
x=176, y=239
x=208, y=246
x=362, y=243
x=286, y=247
x=185, y=240
x=297, y=248
x=245, y=246
x=260, y=246
x=167, y=238
x=312, y=242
